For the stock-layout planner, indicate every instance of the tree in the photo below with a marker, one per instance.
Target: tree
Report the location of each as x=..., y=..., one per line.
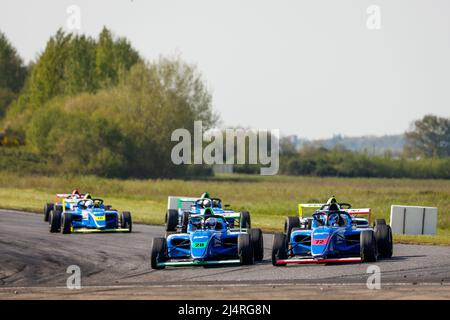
x=429, y=137
x=12, y=73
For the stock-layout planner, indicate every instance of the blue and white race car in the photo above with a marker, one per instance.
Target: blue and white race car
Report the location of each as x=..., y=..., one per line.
x=89, y=215
x=208, y=240
x=333, y=234
x=180, y=208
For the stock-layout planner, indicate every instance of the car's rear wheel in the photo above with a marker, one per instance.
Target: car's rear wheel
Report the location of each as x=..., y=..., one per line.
x=383, y=236
x=245, y=249
x=185, y=222
x=368, y=246
x=244, y=221
x=66, y=223
x=379, y=221
x=279, y=249
x=55, y=220
x=159, y=253
x=256, y=236
x=171, y=220
x=126, y=222
x=47, y=208
x=289, y=224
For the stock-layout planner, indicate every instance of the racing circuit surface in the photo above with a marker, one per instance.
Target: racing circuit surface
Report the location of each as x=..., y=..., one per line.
x=33, y=264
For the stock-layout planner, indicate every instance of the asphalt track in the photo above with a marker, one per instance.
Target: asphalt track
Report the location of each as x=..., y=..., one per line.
x=33, y=264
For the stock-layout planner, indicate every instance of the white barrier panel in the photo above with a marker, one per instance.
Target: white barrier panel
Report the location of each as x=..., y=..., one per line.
x=413, y=220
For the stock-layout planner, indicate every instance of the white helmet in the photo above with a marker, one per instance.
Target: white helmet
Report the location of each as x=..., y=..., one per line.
x=89, y=203
x=206, y=203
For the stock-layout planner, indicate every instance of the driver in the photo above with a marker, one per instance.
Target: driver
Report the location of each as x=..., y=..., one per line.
x=211, y=223
x=206, y=203
x=89, y=204
x=334, y=220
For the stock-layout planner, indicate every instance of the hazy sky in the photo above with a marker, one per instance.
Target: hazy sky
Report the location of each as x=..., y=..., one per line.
x=311, y=68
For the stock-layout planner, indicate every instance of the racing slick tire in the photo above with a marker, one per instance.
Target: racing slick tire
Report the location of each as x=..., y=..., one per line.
x=171, y=220
x=54, y=220
x=289, y=224
x=126, y=221
x=47, y=208
x=279, y=247
x=185, y=222
x=66, y=223
x=159, y=253
x=244, y=221
x=379, y=221
x=245, y=249
x=368, y=246
x=383, y=237
x=256, y=236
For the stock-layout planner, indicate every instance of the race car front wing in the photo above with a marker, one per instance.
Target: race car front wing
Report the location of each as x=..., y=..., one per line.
x=197, y=263
x=316, y=261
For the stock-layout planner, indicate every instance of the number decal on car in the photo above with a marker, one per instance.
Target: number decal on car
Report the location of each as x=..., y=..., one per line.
x=199, y=244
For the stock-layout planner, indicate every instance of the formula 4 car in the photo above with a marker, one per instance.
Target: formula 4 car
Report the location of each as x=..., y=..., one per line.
x=69, y=199
x=333, y=234
x=180, y=208
x=89, y=215
x=209, y=240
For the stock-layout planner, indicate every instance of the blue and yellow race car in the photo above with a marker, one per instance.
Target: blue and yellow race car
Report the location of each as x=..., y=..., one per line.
x=89, y=215
x=333, y=234
x=209, y=239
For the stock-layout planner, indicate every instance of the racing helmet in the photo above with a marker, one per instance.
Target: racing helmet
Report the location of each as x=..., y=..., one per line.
x=75, y=192
x=87, y=196
x=211, y=223
x=206, y=203
x=89, y=203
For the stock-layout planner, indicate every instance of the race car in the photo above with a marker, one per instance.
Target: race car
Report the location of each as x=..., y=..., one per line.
x=333, y=234
x=69, y=199
x=89, y=215
x=208, y=240
x=180, y=208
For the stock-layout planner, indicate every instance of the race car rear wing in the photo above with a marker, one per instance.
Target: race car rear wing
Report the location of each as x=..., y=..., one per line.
x=353, y=212
x=183, y=203
x=59, y=196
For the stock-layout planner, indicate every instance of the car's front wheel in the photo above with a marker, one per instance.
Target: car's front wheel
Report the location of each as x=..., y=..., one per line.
x=66, y=223
x=279, y=249
x=159, y=253
x=55, y=220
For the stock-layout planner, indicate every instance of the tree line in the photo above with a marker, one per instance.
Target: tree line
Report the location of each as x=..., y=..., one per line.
x=95, y=106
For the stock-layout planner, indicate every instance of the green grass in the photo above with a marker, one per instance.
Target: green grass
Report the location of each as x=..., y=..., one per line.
x=269, y=199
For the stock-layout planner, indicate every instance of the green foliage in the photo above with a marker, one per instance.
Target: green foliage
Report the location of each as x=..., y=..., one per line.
x=429, y=137
x=341, y=162
x=12, y=70
x=123, y=131
x=12, y=73
x=71, y=64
